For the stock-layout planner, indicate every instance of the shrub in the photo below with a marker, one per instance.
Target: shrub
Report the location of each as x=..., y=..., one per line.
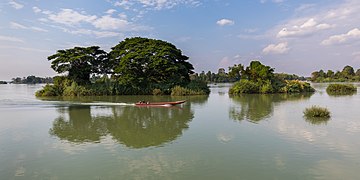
x=244, y=86
x=199, y=86
x=76, y=90
x=296, y=86
x=267, y=88
x=316, y=112
x=181, y=91
x=49, y=90
x=157, y=92
x=341, y=89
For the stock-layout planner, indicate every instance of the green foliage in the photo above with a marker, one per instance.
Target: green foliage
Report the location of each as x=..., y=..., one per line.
x=105, y=86
x=139, y=66
x=181, y=91
x=236, y=71
x=141, y=62
x=31, y=80
x=76, y=90
x=348, y=72
x=261, y=79
x=296, y=86
x=346, y=75
x=316, y=112
x=198, y=86
x=244, y=86
x=49, y=90
x=80, y=62
x=157, y=92
x=283, y=76
x=341, y=89
x=266, y=88
x=258, y=72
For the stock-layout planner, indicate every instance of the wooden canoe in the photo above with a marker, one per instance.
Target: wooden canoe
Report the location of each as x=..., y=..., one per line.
x=171, y=103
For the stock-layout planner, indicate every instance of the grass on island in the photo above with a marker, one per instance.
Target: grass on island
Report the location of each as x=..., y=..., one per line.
x=317, y=115
x=341, y=89
x=316, y=112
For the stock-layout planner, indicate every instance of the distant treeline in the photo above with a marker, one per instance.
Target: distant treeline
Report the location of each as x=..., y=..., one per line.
x=223, y=77
x=3, y=82
x=31, y=80
x=348, y=74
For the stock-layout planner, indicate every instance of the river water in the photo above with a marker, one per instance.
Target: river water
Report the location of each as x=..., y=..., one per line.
x=208, y=137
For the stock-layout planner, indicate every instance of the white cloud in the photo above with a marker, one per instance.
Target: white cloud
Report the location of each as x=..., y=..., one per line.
x=274, y=1
x=223, y=22
x=109, y=23
x=11, y=39
x=70, y=17
x=36, y=9
x=110, y=11
x=98, y=34
x=76, y=19
x=280, y=48
x=353, y=34
x=124, y=4
x=16, y=5
x=155, y=4
x=308, y=27
x=15, y=25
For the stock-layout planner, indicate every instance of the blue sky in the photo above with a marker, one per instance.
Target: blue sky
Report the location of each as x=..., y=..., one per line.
x=291, y=36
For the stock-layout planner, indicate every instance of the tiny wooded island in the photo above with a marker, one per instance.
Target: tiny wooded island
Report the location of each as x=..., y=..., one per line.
x=143, y=66
x=135, y=66
x=347, y=74
x=261, y=79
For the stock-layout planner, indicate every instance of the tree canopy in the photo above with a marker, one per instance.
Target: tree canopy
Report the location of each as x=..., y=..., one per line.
x=142, y=61
x=79, y=62
x=259, y=78
x=136, y=66
x=347, y=74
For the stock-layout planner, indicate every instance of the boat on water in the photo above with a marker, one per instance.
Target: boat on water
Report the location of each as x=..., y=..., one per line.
x=170, y=103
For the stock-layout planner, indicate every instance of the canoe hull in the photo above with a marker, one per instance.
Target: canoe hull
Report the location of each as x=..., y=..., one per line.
x=172, y=103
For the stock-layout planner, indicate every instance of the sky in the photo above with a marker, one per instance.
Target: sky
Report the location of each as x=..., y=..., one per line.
x=295, y=37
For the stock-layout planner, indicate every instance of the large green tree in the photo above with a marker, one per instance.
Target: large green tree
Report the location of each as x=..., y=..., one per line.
x=259, y=72
x=80, y=62
x=141, y=62
x=348, y=72
x=236, y=71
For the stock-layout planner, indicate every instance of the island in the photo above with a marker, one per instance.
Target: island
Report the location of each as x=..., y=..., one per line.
x=135, y=66
x=261, y=79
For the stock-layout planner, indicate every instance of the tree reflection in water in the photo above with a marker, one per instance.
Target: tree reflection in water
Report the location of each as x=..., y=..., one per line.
x=256, y=107
x=80, y=126
x=135, y=127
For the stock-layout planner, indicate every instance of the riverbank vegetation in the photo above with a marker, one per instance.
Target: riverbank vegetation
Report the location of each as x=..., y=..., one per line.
x=227, y=77
x=316, y=112
x=135, y=66
x=260, y=79
x=31, y=80
x=341, y=89
x=3, y=82
x=348, y=74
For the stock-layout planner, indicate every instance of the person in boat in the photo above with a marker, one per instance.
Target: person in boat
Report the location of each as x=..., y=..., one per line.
x=142, y=102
